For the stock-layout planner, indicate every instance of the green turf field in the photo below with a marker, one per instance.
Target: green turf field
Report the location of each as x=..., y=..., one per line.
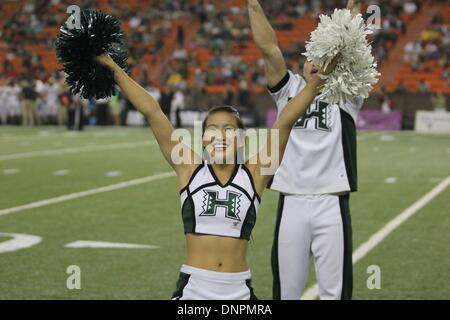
x=395, y=170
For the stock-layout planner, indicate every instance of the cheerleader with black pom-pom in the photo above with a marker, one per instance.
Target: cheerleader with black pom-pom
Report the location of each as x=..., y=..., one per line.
x=219, y=198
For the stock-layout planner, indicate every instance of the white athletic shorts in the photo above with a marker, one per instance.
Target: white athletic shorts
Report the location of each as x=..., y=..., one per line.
x=200, y=284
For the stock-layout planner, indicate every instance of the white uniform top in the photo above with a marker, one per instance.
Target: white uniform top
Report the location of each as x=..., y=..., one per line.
x=12, y=99
x=320, y=156
x=208, y=207
x=3, y=109
x=52, y=101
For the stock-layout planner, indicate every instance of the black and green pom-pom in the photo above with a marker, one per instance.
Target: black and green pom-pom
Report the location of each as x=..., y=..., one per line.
x=76, y=48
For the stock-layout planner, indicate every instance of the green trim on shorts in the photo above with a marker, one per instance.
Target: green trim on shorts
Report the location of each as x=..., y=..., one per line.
x=182, y=282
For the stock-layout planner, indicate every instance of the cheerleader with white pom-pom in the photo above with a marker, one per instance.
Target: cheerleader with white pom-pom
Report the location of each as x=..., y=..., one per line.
x=318, y=171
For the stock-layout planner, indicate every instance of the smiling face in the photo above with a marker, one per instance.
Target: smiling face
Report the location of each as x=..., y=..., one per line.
x=310, y=70
x=220, y=137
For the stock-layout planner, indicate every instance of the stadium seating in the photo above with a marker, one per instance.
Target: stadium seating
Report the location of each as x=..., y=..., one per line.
x=394, y=70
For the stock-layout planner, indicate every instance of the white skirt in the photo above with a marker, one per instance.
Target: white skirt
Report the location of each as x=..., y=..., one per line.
x=200, y=284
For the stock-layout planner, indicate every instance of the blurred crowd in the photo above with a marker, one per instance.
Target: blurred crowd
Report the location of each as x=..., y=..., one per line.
x=225, y=31
x=433, y=48
x=182, y=79
x=35, y=102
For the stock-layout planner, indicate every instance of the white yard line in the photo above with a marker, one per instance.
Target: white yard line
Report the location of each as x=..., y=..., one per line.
x=391, y=226
x=113, y=174
x=86, y=193
x=62, y=172
x=108, y=245
x=391, y=180
x=37, y=135
x=57, y=152
x=18, y=242
x=11, y=171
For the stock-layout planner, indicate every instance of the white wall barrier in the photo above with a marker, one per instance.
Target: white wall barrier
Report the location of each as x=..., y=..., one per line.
x=432, y=122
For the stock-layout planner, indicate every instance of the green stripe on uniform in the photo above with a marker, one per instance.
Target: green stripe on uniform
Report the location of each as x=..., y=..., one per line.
x=347, y=277
x=276, y=289
x=188, y=214
x=182, y=282
x=349, y=147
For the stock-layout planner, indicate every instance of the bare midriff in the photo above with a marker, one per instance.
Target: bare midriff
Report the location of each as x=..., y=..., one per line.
x=216, y=253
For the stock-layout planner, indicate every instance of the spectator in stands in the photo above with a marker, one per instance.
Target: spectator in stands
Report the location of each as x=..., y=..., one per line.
x=180, y=36
x=180, y=53
x=430, y=34
x=4, y=114
x=115, y=108
x=76, y=113
x=445, y=75
x=228, y=96
x=431, y=51
x=65, y=100
x=29, y=103
x=387, y=103
x=413, y=51
x=154, y=92
x=401, y=88
x=410, y=7
x=177, y=104
x=216, y=60
x=175, y=79
x=102, y=111
x=13, y=101
x=200, y=78
x=8, y=64
x=244, y=94
x=43, y=114
x=424, y=86
x=51, y=105
x=166, y=101
x=439, y=102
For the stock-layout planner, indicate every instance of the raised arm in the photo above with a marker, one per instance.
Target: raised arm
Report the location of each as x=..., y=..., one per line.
x=266, y=40
x=149, y=107
x=354, y=6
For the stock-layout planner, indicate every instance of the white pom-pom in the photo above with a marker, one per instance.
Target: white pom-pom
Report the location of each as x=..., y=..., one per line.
x=356, y=72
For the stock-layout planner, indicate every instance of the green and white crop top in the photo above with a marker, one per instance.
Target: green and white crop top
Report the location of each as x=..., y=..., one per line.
x=229, y=210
